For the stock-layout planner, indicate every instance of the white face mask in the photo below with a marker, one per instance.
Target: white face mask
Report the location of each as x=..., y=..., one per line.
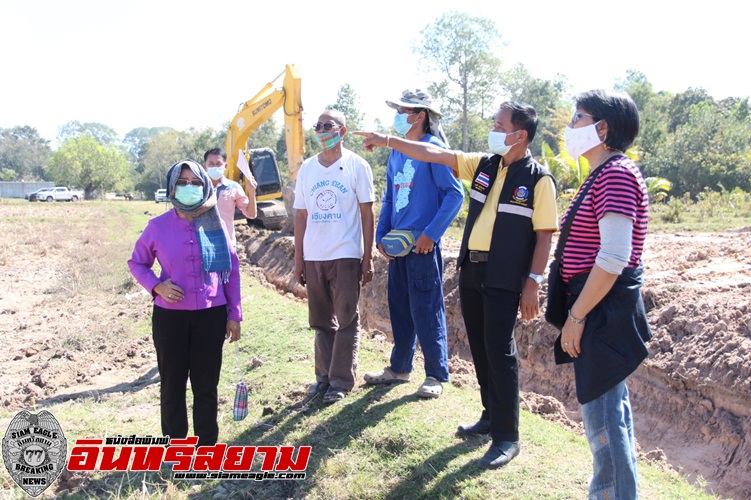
x=580, y=140
x=215, y=173
x=497, y=143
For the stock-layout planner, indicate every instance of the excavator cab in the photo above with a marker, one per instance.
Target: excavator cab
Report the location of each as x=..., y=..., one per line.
x=266, y=171
x=263, y=166
x=282, y=93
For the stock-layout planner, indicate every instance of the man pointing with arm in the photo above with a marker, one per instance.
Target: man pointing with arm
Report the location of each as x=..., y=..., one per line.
x=505, y=248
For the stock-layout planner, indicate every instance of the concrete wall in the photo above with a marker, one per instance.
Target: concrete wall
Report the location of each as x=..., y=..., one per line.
x=19, y=189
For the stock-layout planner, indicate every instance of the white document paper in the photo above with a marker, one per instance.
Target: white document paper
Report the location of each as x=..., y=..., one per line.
x=242, y=164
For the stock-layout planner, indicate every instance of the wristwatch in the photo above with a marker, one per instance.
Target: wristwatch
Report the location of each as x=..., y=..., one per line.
x=538, y=278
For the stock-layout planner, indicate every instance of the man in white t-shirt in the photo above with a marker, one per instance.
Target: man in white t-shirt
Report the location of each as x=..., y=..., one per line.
x=334, y=228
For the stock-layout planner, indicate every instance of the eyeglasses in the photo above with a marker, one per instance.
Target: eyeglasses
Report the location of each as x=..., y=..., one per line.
x=401, y=111
x=578, y=116
x=192, y=182
x=325, y=126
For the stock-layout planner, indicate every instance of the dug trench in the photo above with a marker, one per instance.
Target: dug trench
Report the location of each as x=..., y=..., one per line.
x=691, y=398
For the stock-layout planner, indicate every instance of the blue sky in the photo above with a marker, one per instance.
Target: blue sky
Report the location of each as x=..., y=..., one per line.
x=190, y=64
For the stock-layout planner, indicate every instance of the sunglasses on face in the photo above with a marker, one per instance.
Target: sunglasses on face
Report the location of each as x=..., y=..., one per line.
x=409, y=111
x=192, y=182
x=327, y=127
x=578, y=116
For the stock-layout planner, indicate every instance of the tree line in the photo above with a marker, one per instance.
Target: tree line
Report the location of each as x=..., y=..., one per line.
x=690, y=139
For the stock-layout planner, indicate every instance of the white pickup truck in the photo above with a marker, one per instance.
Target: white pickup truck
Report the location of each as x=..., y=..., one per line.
x=58, y=194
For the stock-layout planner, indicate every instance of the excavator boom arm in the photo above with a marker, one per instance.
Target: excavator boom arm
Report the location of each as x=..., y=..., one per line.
x=254, y=112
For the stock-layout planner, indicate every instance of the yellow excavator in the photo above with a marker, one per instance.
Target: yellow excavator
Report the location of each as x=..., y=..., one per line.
x=250, y=116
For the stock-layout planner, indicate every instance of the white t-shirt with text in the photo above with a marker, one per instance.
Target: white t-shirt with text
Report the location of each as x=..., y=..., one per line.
x=332, y=195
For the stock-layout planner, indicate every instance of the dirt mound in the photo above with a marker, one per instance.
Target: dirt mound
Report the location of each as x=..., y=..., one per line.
x=691, y=398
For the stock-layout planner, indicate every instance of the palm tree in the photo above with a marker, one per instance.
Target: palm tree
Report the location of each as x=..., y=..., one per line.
x=658, y=188
x=570, y=173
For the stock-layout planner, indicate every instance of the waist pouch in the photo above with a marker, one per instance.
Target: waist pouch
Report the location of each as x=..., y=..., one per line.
x=399, y=242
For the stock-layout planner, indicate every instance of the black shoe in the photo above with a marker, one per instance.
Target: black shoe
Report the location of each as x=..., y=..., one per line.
x=478, y=428
x=333, y=395
x=317, y=387
x=499, y=454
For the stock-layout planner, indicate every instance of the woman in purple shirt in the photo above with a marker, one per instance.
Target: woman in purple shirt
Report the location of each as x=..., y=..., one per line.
x=196, y=299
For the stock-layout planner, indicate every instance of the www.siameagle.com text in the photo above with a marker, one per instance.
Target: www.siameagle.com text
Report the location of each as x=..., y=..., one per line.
x=254, y=476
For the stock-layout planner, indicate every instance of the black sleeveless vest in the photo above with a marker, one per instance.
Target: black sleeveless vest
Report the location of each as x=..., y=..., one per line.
x=513, y=240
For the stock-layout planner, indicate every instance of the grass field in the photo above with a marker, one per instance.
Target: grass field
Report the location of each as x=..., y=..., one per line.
x=381, y=443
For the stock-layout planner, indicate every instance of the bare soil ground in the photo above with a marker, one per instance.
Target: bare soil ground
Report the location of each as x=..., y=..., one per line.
x=692, y=398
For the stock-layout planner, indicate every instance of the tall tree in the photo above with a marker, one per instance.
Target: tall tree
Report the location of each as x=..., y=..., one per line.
x=460, y=48
x=103, y=134
x=203, y=140
x=654, y=119
x=160, y=153
x=24, y=154
x=548, y=97
x=135, y=140
x=680, y=106
x=84, y=163
x=711, y=148
x=348, y=103
x=265, y=136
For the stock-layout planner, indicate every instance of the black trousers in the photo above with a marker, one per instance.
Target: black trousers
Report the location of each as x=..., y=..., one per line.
x=489, y=316
x=189, y=344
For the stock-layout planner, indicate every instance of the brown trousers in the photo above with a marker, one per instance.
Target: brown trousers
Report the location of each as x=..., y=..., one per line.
x=333, y=293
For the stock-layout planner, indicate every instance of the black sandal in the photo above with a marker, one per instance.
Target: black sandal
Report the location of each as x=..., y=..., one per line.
x=333, y=395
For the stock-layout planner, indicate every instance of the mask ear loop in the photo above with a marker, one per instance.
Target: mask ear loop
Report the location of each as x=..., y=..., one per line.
x=604, y=139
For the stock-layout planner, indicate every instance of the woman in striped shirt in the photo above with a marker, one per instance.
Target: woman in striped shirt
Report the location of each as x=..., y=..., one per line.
x=607, y=328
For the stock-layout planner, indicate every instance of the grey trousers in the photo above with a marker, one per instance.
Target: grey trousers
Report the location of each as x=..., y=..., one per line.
x=333, y=293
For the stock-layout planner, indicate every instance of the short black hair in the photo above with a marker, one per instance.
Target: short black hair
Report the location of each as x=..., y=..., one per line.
x=215, y=151
x=426, y=123
x=523, y=116
x=619, y=112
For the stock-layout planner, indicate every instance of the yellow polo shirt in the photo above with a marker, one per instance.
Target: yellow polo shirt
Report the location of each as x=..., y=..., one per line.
x=545, y=210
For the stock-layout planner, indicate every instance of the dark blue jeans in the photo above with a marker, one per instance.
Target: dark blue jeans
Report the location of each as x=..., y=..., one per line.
x=489, y=316
x=418, y=312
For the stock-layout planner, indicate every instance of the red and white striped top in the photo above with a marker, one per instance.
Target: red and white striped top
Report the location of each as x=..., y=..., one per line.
x=620, y=189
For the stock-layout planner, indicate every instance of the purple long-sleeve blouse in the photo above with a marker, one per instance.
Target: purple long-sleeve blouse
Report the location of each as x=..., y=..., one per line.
x=174, y=243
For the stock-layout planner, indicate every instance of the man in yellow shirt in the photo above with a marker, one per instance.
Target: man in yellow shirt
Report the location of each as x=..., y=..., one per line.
x=505, y=249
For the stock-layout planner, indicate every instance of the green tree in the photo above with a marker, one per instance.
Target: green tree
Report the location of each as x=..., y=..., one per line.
x=348, y=103
x=654, y=119
x=569, y=172
x=201, y=140
x=102, y=133
x=160, y=153
x=549, y=98
x=681, y=105
x=24, y=154
x=712, y=147
x=266, y=136
x=84, y=163
x=460, y=48
x=658, y=188
x=135, y=140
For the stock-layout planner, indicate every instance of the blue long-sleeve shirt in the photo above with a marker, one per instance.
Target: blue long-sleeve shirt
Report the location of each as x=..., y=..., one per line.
x=419, y=196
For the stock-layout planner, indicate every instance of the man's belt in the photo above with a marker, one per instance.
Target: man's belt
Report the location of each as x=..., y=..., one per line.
x=477, y=256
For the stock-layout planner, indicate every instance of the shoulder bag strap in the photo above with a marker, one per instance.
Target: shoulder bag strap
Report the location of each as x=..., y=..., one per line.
x=566, y=229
